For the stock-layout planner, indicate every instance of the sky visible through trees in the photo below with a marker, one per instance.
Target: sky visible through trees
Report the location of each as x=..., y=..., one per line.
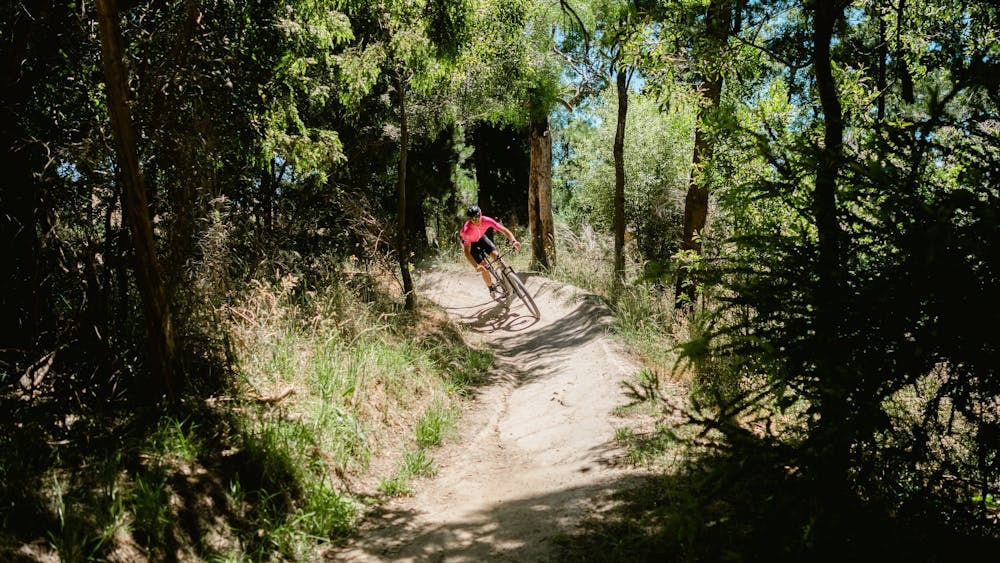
x=813, y=186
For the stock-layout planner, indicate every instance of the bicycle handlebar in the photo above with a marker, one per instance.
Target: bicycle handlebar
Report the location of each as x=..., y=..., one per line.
x=510, y=250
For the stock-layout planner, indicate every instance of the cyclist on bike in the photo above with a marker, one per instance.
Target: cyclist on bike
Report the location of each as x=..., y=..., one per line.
x=478, y=245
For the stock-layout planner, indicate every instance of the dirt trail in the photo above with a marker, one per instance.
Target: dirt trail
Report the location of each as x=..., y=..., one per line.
x=536, y=451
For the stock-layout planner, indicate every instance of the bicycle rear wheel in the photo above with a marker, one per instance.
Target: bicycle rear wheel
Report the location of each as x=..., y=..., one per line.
x=522, y=293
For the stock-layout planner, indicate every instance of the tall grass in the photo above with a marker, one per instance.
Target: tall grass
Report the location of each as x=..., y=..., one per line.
x=644, y=317
x=325, y=383
x=336, y=379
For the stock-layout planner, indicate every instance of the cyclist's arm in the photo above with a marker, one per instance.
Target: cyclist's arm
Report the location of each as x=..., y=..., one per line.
x=507, y=233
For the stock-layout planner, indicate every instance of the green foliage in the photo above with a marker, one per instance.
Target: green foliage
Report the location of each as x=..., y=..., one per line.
x=449, y=25
x=301, y=85
x=435, y=425
x=395, y=486
x=657, y=159
x=177, y=439
x=327, y=513
x=509, y=62
x=151, y=509
x=83, y=535
x=418, y=463
x=857, y=400
x=415, y=463
x=646, y=450
x=470, y=369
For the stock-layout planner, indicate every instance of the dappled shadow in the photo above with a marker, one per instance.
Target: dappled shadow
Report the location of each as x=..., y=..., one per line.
x=587, y=322
x=551, y=344
x=498, y=533
x=490, y=317
x=104, y=460
x=744, y=505
x=472, y=309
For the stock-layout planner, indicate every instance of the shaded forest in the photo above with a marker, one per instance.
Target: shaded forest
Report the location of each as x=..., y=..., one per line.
x=207, y=200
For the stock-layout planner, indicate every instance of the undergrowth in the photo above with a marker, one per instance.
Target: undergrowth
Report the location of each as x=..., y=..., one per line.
x=728, y=477
x=333, y=391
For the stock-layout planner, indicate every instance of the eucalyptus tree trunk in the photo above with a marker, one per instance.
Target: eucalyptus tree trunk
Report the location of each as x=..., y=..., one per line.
x=619, y=155
x=718, y=24
x=148, y=275
x=540, y=221
x=402, y=247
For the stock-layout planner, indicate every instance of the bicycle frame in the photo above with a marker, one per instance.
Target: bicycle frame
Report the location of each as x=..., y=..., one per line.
x=498, y=270
x=512, y=285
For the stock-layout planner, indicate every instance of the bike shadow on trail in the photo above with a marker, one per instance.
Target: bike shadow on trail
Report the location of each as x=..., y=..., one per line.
x=586, y=323
x=534, y=528
x=490, y=317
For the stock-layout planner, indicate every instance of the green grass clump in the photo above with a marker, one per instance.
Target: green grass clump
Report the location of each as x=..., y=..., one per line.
x=435, y=425
x=419, y=463
x=396, y=485
x=175, y=438
x=151, y=508
x=415, y=463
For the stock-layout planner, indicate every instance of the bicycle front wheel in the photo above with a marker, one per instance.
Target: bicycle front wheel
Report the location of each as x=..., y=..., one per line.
x=522, y=293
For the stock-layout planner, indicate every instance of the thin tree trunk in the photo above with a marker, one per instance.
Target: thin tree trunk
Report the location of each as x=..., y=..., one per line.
x=619, y=155
x=718, y=23
x=833, y=434
x=902, y=71
x=541, y=223
x=402, y=249
x=831, y=155
x=881, y=75
x=148, y=275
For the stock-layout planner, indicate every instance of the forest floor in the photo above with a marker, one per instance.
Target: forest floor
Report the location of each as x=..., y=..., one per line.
x=535, y=453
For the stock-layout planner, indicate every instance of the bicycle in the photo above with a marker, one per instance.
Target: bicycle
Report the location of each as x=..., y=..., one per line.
x=509, y=284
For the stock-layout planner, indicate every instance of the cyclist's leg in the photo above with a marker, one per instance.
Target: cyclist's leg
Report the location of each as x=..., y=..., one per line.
x=487, y=279
x=480, y=250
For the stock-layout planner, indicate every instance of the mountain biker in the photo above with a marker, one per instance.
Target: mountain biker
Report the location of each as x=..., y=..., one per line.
x=478, y=245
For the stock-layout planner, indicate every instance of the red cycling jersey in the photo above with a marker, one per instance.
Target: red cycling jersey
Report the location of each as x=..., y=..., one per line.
x=471, y=233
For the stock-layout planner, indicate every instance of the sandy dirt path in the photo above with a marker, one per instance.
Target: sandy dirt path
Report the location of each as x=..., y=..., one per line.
x=536, y=451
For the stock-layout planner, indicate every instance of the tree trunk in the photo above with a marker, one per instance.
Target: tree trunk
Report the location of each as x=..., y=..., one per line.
x=148, y=275
x=835, y=431
x=718, y=23
x=416, y=221
x=831, y=155
x=540, y=221
x=619, y=154
x=402, y=249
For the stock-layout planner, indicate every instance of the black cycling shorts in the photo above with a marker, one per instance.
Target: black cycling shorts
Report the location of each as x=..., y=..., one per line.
x=482, y=248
